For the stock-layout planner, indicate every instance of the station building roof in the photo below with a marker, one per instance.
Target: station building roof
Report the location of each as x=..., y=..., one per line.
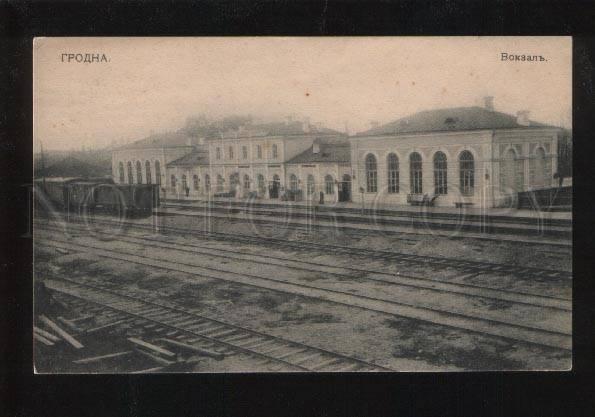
x=451, y=119
x=194, y=158
x=330, y=150
x=161, y=140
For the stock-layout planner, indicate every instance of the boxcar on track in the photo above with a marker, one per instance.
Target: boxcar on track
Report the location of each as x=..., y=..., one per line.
x=83, y=194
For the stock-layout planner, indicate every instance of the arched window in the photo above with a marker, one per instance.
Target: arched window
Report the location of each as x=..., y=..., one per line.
x=392, y=163
x=184, y=183
x=195, y=182
x=539, y=169
x=121, y=172
x=274, y=151
x=246, y=182
x=218, y=153
x=173, y=181
x=244, y=152
x=219, y=183
x=207, y=183
x=139, y=172
x=130, y=174
x=157, y=173
x=234, y=180
x=293, y=182
x=310, y=184
x=259, y=151
x=371, y=174
x=415, y=173
x=231, y=152
x=148, y=172
x=440, y=173
x=466, y=172
x=329, y=185
x=512, y=171
x=261, y=186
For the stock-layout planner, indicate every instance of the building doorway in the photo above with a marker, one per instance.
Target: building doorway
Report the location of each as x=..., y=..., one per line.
x=274, y=187
x=344, y=189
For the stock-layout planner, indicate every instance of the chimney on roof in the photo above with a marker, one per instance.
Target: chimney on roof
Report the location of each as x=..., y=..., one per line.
x=522, y=117
x=316, y=147
x=488, y=103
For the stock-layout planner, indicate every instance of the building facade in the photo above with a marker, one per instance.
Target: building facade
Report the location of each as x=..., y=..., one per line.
x=450, y=157
x=462, y=156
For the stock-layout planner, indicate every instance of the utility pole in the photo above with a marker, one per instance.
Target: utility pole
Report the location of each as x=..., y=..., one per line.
x=42, y=164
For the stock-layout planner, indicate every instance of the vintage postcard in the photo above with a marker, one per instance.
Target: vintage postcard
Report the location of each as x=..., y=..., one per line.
x=312, y=204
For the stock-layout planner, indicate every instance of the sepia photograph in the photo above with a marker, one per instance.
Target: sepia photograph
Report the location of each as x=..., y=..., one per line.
x=302, y=204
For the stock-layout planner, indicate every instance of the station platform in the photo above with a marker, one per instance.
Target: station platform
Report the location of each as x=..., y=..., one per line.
x=493, y=224
x=367, y=208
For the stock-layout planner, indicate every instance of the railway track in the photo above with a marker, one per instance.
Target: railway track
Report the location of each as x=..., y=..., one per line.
x=511, y=331
x=342, y=273
x=465, y=266
x=191, y=328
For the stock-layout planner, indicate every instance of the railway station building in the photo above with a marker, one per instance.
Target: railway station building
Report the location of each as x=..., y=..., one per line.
x=458, y=156
x=254, y=158
x=473, y=156
x=145, y=161
x=324, y=167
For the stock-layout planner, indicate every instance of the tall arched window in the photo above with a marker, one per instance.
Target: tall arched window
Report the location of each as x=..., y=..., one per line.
x=539, y=169
x=440, y=173
x=218, y=153
x=329, y=185
x=310, y=184
x=157, y=172
x=207, y=183
x=293, y=182
x=139, y=172
x=173, y=181
x=261, y=186
x=234, y=180
x=512, y=171
x=244, y=152
x=148, y=172
x=371, y=174
x=130, y=174
x=184, y=183
x=121, y=172
x=392, y=163
x=415, y=173
x=259, y=151
x=466, y=172
x=219, y=183
x=195, y=182
x=274, y=152
x=231, y=152
x=246, y=182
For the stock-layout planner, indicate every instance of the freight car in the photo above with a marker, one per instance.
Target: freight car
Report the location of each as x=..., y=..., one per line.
x=83, y=195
